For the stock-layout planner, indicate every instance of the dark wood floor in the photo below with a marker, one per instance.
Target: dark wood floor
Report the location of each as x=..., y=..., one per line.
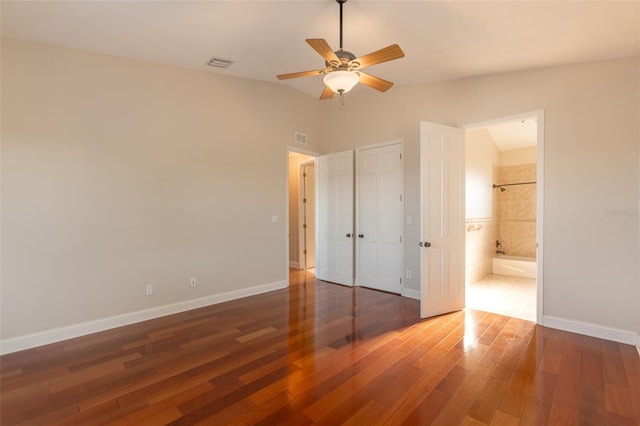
x=318, y=353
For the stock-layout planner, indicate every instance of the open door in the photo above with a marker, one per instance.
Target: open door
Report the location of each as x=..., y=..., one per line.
x=308, y=215
x=442, y=219
x=334, y=220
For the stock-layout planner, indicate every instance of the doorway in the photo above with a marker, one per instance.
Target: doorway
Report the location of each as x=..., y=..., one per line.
x=301, y=207
x=503, y=216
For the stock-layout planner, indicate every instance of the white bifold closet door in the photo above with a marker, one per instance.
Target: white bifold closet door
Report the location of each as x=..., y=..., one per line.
x=379, y=213
x=335, y=218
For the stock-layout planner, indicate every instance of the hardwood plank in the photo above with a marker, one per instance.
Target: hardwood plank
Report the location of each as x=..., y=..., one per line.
x=504, y=419
x=318, y=353
x=369, y=413
x=618, y=400
x=486, y=404
x=591, y=374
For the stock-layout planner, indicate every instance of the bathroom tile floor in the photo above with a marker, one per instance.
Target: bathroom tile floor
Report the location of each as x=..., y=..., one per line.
x=504, y=295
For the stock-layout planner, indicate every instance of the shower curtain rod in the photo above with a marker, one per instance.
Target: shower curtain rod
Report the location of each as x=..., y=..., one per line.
x=511, y=184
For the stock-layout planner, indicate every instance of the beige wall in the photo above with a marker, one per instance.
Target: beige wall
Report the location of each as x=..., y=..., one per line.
x=117, y=174
x=482, y=165
x=590, y=163
x=515, y=157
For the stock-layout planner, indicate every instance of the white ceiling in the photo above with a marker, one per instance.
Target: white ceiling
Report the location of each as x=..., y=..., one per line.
x=517, y=134
x=442, y=40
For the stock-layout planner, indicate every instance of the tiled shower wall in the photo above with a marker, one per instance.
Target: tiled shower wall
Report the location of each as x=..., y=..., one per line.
x=480, y=248
x=517, y=211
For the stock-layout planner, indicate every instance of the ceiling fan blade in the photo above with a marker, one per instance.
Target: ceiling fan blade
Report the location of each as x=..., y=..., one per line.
x=388, y=53
x=326, y=93
x=374, y=82
x=323, y=48
x=299, y=74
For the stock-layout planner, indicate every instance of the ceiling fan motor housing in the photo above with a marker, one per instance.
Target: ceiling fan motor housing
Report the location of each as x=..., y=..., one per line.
x=346, y=61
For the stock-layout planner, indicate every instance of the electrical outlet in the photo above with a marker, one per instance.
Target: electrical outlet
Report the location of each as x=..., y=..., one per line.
x=194, y=282
x=148, y=290
x=408, y=274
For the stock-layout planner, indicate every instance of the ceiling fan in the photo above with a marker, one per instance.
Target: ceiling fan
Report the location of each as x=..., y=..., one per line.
x=342, y=68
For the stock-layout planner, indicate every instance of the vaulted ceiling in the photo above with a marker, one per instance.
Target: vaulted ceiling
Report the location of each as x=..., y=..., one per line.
x=442, y=40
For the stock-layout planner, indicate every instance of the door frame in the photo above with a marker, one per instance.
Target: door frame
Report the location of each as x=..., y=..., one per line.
x=539, y=114
x=286, y=202
x=357, y=208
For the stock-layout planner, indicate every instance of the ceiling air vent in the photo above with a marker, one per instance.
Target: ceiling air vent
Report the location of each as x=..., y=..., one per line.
x=301, y=138
x=219, y=63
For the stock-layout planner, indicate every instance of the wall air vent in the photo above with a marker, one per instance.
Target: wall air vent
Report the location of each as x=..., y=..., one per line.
x=301, y=138
x=219, y=63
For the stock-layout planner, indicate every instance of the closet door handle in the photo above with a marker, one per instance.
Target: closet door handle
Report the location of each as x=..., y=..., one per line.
x=348, y=235
x=360, y=235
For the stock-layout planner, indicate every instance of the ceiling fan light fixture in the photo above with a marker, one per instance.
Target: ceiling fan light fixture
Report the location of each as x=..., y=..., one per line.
x=341, y=81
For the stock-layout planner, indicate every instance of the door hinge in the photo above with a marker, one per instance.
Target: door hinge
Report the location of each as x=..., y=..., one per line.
x=304, y=226
x=304, y=200
x=400, y=280
x=400, y=238
x=400, y=197
x=304, y=251
x=304, y=175
x=401, y=156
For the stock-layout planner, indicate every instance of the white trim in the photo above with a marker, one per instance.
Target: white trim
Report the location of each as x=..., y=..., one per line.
x=64, y=333
x=286, y=203
x=410, y=293
x=638, y=344
x=539, y=114
x=540, y=215
x=294, y=264
x=593, y=330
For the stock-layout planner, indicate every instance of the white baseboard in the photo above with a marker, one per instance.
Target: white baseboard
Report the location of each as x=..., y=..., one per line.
x=638, y=345
x=294, y=264
x=412, y=294
x=64, y=333
x=593, y=330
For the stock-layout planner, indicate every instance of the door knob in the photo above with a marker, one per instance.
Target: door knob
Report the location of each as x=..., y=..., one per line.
x=348, y=235
x=360, y=235
x=425, y=244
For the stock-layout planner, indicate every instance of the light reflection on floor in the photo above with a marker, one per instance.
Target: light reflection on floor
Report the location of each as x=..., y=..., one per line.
x=504, y=295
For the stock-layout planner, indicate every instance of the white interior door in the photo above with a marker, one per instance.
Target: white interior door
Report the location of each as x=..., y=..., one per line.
x=379, y=217
x=442, y=219
x=309, y=212
x=334, y=223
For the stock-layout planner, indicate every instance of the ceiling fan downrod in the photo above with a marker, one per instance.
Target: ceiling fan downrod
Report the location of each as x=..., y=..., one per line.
x=341, y=2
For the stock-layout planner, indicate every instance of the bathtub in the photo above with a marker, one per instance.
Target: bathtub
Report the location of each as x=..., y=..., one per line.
x=515, y=266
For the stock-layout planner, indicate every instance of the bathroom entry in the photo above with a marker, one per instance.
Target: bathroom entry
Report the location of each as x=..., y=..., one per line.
x=503, y=176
